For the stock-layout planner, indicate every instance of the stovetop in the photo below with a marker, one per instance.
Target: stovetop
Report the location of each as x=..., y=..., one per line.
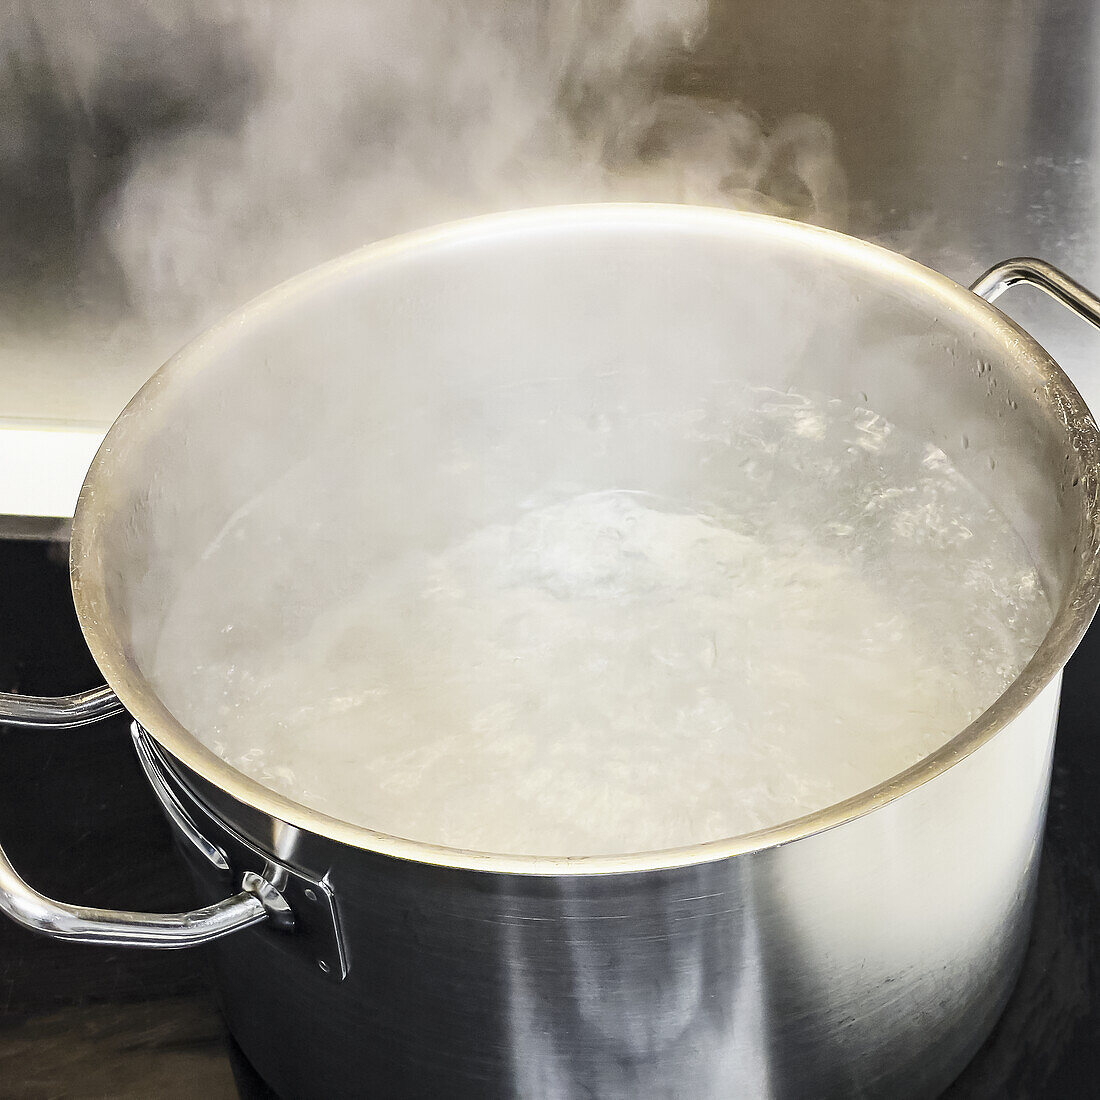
x=78, y=819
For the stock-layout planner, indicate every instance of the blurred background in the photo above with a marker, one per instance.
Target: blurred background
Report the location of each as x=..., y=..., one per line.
x=162, y=162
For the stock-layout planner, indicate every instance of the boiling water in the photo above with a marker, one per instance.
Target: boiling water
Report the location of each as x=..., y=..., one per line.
x=615, y=671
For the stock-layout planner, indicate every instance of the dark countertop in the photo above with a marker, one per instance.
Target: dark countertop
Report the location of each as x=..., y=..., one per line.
x=78, y=819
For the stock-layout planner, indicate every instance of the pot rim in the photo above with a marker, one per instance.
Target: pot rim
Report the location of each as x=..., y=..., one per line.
x=1070, y=622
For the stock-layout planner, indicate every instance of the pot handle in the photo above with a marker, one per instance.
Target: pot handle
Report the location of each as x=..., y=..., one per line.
x=118, y=928
x=83, y=924
x=60, y=712
x=1047, y=278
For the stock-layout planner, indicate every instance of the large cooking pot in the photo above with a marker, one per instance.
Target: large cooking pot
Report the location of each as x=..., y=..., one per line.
x=862, y=950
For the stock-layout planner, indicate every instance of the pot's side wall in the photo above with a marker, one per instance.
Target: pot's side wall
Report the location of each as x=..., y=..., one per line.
x=868, y=960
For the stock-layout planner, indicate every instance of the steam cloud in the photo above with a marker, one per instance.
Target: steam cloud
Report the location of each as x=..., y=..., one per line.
x=340, y=122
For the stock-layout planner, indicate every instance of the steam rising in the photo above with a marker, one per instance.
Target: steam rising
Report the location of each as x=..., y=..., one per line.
x=328, y=125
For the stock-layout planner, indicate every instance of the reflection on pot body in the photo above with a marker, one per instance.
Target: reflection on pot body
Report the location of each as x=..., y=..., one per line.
x=619, y=1019
x=753, y=947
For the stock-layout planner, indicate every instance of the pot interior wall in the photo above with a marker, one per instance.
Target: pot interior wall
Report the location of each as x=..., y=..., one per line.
x=403, y=396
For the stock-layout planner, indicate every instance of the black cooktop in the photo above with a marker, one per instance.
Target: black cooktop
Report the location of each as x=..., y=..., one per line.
x=79, y=822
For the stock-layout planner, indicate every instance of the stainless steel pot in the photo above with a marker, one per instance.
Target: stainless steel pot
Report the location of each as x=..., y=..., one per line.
x=863, y=950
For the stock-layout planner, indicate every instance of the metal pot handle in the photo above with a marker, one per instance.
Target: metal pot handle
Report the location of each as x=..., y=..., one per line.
x=82, y=924
x=1046, y=278
x=119, y=928
x=60, y=712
